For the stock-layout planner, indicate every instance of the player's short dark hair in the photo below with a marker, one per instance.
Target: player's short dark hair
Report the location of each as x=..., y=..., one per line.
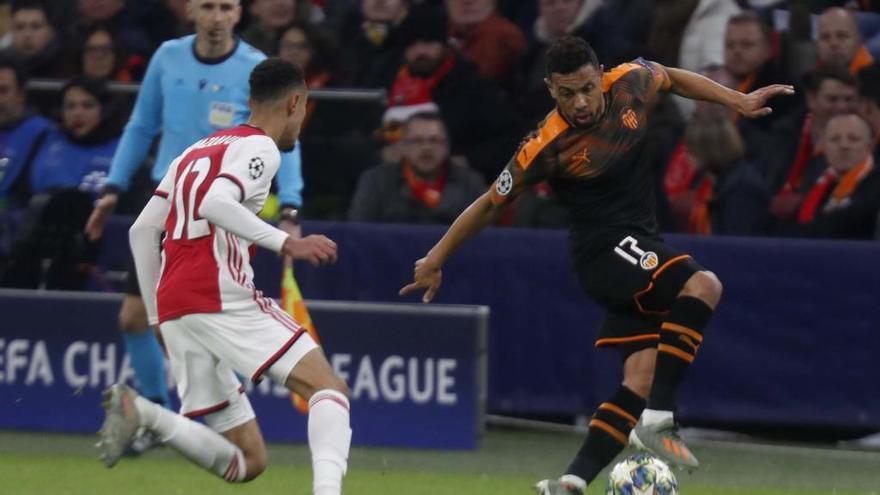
x=568, y=54
x=868, y=82
x=813, y=80
x=273, y=78
x=749, y=17
x=8, y=62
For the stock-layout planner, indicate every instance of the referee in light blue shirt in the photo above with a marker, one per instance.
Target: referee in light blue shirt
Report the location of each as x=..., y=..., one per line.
x=194, y=86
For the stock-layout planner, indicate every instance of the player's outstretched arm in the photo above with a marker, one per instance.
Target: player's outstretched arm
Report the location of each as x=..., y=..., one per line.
x=144, y=237
x=695, y=86
x=427, y=274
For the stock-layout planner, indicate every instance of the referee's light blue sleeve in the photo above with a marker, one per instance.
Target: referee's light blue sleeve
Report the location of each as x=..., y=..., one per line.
x=143, y=125
x=289, y=179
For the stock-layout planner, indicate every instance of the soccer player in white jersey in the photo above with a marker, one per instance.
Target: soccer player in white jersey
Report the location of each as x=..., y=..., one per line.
x=194, y=85
x=213, y=321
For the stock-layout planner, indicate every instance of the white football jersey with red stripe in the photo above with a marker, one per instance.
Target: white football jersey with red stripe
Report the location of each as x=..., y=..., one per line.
x=206, y=269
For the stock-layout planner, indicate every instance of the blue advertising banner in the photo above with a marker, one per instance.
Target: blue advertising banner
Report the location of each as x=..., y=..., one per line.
x=794, y=341
x=416, y=373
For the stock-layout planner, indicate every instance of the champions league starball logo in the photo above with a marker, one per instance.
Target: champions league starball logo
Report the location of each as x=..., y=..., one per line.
x=255, y=167
x=504, y=183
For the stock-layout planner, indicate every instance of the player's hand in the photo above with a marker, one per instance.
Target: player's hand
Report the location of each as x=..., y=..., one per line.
x=98, y=219
x=427, y=276
x=754, y=104
x=316, y=249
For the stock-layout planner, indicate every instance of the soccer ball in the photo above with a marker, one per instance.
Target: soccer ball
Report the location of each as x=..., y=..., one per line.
x=641, y=474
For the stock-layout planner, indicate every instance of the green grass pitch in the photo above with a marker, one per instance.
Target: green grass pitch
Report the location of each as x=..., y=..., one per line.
x=507, y=463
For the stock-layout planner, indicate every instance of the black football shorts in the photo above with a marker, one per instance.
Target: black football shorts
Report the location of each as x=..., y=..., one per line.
x=635, y=280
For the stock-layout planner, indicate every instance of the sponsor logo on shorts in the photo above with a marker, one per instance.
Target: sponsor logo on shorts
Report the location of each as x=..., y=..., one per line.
x=649, y=260
x=504, y=183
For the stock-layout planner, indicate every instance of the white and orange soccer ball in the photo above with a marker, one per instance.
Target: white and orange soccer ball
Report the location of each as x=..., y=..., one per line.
x=641, y=474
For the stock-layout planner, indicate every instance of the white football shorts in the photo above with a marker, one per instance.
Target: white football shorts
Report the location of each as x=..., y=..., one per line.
x=207, y=350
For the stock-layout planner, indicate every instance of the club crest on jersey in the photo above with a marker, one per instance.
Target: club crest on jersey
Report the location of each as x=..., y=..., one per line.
x=630, y=119
x=649, y=260
x=255, y=167
x=504, y=183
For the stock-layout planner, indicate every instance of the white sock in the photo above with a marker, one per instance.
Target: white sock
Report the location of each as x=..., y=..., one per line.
x=653, y=417
x=329, y=440
x=195, y=441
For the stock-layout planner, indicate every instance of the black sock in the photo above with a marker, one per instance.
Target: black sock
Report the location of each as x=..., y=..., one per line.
x=680, y=338
x=608, y=433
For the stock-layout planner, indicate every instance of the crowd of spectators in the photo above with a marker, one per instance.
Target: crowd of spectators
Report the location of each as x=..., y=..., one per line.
x=464, y=81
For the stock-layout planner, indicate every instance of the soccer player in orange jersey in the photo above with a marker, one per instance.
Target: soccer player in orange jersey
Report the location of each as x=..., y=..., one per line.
x=657, y=300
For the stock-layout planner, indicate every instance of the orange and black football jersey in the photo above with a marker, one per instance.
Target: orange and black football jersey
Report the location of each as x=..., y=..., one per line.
x=598, y=172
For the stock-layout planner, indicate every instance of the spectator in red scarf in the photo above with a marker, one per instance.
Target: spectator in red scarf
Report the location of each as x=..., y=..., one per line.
x=481, y=121
x=729, y=197
x=843, y=202
x=424, y=187
x=839, y=41
x=682, y=176
x=485, y=38
x=749, y=57
x=797, y=157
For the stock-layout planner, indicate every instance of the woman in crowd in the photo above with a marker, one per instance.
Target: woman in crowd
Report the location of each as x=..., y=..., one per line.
x=313, y=50
x=101, y=55
x=77, y=153
x=66, y=175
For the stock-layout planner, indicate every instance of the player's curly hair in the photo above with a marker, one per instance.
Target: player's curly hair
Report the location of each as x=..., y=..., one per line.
x=273, y=78
x=568, y=54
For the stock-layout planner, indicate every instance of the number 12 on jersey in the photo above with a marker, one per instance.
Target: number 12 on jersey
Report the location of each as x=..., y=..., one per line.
x=185, y=195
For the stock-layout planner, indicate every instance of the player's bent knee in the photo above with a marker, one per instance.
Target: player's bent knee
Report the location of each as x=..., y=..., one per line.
x=704, y=285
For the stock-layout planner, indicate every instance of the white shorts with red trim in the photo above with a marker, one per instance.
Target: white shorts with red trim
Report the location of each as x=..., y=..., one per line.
x=207, y=350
